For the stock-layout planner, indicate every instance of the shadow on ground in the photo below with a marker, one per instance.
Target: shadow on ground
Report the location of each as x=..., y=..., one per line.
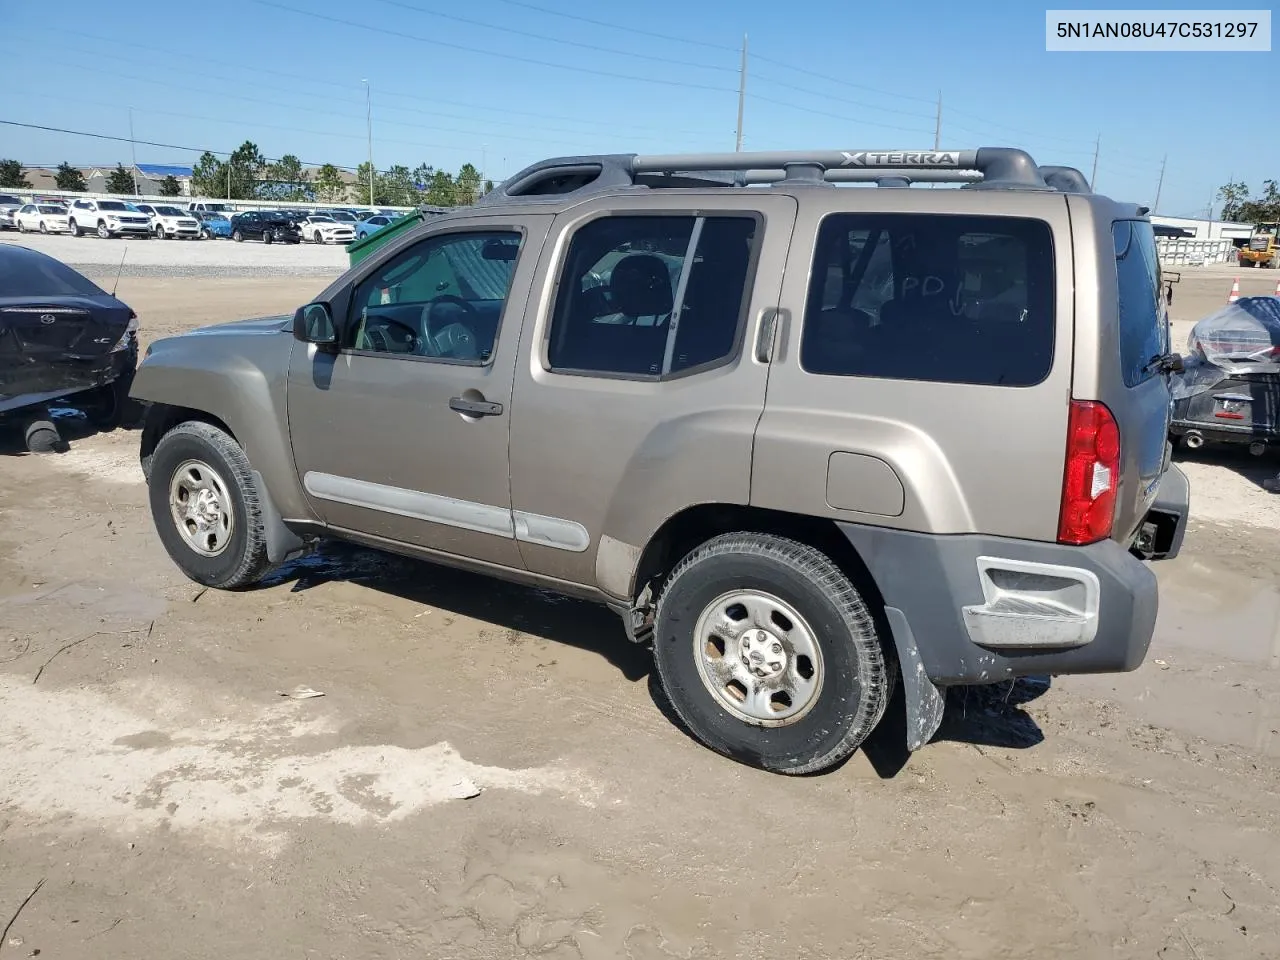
x=73, y=426
x=540, y=613
x=1235, y=457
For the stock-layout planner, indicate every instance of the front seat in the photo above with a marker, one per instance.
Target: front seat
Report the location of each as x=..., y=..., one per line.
x=640, y=286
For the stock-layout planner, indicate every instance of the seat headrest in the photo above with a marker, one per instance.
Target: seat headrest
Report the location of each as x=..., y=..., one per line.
x=641, y=286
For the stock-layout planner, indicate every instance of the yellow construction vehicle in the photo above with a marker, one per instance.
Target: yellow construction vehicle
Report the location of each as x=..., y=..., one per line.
x=1264, y=247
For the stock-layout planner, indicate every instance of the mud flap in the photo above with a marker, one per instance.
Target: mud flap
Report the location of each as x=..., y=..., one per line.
x=282, y=543
x=924, y=700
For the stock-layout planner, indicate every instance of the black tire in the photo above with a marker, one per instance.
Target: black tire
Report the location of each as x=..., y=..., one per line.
x=22, y=227
x=206, y=234
x=42, y=436
x=44, y=227
x=266, y=236
x=244, y=560
x=238, y=237
x=73, y=228
x=158, y=230
x=857, y=677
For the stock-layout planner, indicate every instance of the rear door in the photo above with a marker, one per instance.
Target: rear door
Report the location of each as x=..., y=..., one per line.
x=1143, y=332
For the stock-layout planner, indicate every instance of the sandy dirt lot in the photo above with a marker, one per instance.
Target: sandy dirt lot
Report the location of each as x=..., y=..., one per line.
x=490, y=773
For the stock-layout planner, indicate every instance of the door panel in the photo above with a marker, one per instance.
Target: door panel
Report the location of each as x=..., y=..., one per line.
x=605, y=446
x=380, y=444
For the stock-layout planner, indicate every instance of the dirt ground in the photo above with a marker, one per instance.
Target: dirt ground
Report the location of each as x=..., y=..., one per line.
x=489, y=773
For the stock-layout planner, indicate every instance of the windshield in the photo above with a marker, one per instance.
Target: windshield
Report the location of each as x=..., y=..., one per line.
x=169, y=211
x=53, y=209
x=321, y=218
x=344, y=217
x=30, y=274
x=1271, y=229
x=5, y=198
x=111, y=205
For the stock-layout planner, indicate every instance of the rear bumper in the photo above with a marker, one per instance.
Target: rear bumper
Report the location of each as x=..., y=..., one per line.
x=66, y=378
x=976, y=609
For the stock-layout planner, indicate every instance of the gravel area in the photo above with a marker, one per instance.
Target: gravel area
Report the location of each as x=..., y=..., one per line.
x=186, y=258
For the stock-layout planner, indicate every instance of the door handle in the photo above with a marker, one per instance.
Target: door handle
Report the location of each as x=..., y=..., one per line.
x=475, y=408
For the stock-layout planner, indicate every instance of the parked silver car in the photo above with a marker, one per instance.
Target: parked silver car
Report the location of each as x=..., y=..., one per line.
x=810, y=443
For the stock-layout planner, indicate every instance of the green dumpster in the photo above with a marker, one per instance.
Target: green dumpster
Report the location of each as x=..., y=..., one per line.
x=357, y=250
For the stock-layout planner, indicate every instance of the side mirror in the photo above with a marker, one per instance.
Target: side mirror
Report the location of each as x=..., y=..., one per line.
x=314, y=324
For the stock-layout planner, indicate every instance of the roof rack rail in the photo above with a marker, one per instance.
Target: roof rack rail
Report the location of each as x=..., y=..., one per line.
x=1065, y=179
x=986, y=167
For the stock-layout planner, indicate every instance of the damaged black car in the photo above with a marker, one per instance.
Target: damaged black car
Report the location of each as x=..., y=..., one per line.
x=63, y=341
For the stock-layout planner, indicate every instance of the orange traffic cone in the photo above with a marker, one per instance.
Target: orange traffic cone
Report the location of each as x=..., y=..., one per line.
x=1235, y=291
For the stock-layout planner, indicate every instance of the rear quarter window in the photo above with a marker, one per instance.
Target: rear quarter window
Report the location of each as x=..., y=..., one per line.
x=1140, y=305
x=941, y=298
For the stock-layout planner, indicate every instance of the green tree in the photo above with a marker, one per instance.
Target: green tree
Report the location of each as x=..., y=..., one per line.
x=11, y=174
x=422, y=175
x=1237, y=204
x=121, y=181
x=69, y=178
x=170, y=187
x=209, y=177
x=360, y=189
x=329, y=184
x=1233, y=196
x=440, y=192
x=467, y=186
x=286, y=179
x=248, y=168
x=396, y=187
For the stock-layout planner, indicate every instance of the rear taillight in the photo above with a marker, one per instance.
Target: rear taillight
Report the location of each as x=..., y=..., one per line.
x=1092, y=475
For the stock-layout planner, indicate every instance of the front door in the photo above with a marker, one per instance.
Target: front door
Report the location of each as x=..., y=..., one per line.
x=403, y=434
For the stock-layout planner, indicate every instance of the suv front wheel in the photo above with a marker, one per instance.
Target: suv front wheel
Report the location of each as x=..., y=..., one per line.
x=103, y=231
x=769, y=655
x=205, y=505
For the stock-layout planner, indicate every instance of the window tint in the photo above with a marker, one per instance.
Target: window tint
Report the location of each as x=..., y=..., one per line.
x=1143, y=329
x=950, y=299
x=440, y=299
x=632, y=301
x=111, y=205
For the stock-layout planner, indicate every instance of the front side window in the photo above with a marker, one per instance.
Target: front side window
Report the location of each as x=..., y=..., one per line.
x=441, y=299
x=1141, y=307
x=652, y=296
x=948, y=299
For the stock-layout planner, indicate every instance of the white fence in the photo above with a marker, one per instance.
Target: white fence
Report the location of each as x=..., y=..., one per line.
x=1185, y=252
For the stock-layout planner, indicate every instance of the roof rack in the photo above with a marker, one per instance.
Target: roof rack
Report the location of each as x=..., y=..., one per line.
x=1004, y=168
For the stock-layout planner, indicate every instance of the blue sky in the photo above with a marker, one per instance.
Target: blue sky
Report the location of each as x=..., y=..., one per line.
x=476, y=82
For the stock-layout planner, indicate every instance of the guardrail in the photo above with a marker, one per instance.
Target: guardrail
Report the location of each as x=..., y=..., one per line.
x=1177, y=251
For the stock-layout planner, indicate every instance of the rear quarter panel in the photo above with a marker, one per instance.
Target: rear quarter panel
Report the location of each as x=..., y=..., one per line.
x=968, y=458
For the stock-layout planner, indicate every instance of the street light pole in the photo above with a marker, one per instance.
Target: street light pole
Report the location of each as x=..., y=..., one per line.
x=133, y=149
x=368, y=97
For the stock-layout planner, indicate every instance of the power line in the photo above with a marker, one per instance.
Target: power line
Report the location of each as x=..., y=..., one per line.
x=617, y=26
x=491, y=53
x=833, y=116
x=392, y=95
x=550, y=39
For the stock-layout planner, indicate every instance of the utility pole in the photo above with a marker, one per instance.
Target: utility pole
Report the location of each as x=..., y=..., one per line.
x=133, y=149
x=937, y=127
x=742, y=92
x=368, y=98
x=1155, y=208
x=1093, y=178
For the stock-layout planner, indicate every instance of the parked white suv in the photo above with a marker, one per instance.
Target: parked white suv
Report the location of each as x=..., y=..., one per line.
x=108, y=218
x=168, y=222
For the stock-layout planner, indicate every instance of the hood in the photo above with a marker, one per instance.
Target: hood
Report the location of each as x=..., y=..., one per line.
x=256, y=326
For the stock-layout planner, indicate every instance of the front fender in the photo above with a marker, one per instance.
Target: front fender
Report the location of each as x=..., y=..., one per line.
x=237, y=374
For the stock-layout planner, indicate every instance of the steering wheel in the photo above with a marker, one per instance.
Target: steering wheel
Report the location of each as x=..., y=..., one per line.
x=427, y=314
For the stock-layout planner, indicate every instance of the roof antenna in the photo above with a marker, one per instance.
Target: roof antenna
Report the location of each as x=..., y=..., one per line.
x=119, y=270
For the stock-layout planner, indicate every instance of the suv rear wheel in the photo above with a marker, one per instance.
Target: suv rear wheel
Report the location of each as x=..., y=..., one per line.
x=204, y=503
x=769, y=655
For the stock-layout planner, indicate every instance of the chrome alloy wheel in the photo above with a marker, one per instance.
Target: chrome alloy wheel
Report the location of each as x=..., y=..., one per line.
x=201, y=508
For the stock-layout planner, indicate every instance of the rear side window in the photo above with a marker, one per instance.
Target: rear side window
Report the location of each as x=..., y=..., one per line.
x=1141, y=306
x=651, y=297
x=948, y=299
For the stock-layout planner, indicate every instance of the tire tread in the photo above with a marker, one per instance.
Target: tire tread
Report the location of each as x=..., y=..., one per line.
x=876, y=671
